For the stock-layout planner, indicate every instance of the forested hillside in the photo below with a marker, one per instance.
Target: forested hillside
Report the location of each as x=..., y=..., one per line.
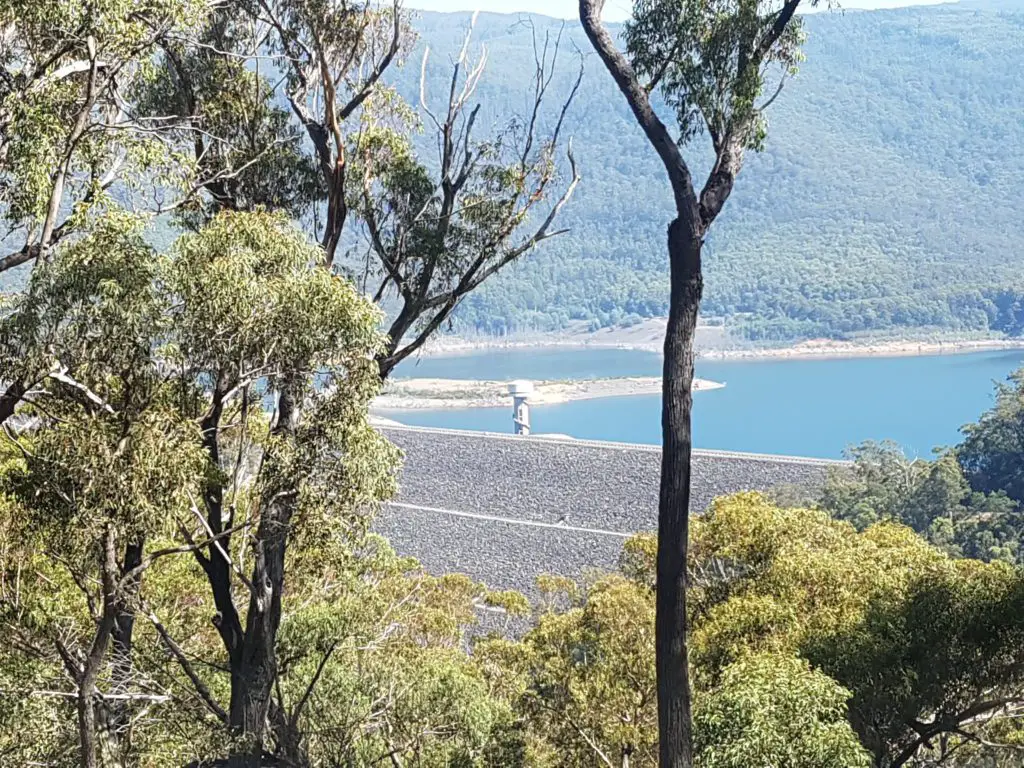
x=889, y=194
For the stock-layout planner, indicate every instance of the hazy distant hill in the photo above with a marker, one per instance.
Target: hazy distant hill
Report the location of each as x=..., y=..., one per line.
x=891, y=193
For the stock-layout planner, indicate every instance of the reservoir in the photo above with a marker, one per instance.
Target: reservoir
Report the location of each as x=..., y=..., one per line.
x=803, y=407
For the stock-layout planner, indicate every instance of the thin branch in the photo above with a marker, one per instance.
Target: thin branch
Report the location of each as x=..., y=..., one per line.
x=381, y=66
x=186, y=667
x=81, y=122
x=782, y=19
x=182, y=549
x=62, y=376
x=312, y=684
x=774, y=96
x=216, y=544
x=150, y=697
x=586, y=737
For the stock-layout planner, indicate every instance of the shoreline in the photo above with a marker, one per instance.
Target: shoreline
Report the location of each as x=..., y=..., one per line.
x=820, y=349
x=443, y=394
x=847, y=350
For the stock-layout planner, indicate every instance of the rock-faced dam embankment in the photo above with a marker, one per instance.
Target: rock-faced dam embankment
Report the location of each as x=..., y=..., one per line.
x=504, y=509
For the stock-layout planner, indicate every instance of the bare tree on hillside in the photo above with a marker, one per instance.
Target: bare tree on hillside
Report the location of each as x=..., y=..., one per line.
x=437, y=236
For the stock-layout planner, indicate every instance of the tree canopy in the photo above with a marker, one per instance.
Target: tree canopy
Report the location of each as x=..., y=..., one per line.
x=965, y=501
x=813, y=644
x=189, y=474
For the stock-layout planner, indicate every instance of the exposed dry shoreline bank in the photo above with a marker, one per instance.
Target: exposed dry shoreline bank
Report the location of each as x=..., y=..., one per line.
x=425, y=393
x=851, y=349
x=412, y=394
x=710, y=345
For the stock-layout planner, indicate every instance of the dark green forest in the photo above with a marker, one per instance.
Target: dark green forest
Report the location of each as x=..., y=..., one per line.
x=888, y=197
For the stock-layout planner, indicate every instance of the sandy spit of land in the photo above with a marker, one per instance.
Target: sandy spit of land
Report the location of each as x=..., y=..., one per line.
x=406, y=394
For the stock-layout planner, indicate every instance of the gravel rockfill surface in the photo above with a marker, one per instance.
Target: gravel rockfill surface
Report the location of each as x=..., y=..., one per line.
x=566, y=505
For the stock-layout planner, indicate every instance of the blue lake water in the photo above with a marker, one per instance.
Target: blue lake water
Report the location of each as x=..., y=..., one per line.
x=798, y=407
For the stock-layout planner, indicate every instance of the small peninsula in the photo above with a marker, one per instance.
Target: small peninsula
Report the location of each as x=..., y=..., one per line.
x=411, y=394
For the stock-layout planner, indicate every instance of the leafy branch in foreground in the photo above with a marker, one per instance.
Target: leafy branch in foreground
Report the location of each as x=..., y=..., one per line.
x=69, y=135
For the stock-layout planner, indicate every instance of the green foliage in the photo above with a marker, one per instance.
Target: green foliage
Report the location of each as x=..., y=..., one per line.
x=696, y=46
x=932, y=497
x=947, y=645
x=64, y=137
x=914, y=636
x=775, y=710
x=385, y=638
x=216, y=103
x=116, y=452
x=251, y=300
x=992, y=451
x=812, y=644
x=585, y=678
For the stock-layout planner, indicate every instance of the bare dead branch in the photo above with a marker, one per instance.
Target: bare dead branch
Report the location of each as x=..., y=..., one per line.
x=215, y=543
x=61, y=374
x=186, y=666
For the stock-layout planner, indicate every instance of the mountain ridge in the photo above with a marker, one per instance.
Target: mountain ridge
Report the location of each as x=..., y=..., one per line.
x=886, y=199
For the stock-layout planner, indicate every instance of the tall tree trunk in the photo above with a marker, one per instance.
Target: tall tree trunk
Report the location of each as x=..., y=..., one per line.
x=254, y=672
x=87, y=731
x=118, y=712
x=389, y=358
x=675, y=745
x=685, y=235
x=288, y=737
x=337, y=213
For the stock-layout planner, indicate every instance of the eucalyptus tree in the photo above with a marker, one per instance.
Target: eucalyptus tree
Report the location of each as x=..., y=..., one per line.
x=434, y=235
x=437, y=235
x=991, y=451
x=256, y=322
x=710, y=61
x=214, y=96
x=813, y=644
x=335, y=56
x=108, y=471
x=148, y=438
x=928, y=646
x=187, y=578
x=88, y=121
x=341, y=160
x=67, y=129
